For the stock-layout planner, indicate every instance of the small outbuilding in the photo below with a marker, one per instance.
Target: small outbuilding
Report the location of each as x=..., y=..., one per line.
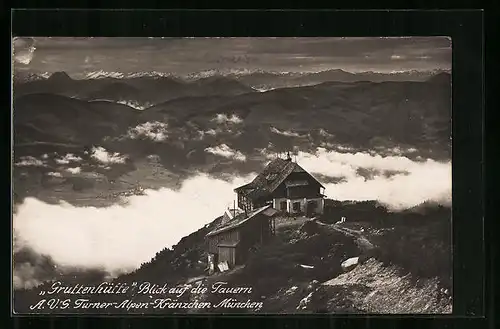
x=232, y=239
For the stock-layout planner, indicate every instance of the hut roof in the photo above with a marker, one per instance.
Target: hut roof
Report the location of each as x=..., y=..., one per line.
x=271, y=177
x=237, y=221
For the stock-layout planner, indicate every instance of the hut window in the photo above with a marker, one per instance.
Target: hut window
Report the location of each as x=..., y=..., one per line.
x=296, y=206
x=283, y=205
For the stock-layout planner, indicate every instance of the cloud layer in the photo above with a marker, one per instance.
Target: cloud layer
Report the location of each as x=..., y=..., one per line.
x=121, y=237
x=397, y=181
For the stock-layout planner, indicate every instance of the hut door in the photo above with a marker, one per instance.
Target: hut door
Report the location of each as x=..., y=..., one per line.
x=311, y=208
x=227, y=254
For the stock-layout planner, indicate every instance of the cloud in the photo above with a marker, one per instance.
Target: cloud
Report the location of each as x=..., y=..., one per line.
x=29, y=161
x=70, y=157
x=225, y=151
x=212, y=132
x=100, y=154
x=62, y=161
x=218, y=131
x=287, y=133
x=223, y=118
x=396, y=181
x=397, y=57
x=54, y=174
x=122, y=237
x=222, y=130
x=409, y=183
x=156, y=131
x=75, y=170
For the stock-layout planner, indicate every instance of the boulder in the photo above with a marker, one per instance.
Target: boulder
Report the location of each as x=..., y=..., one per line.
x=350, y=264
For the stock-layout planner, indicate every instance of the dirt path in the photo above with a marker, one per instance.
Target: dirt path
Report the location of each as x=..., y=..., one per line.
x=361, y=240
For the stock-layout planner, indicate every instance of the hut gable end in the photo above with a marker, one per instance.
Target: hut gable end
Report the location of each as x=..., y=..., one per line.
x=272, y=177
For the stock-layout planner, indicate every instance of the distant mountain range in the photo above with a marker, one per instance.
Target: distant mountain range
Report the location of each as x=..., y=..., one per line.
x=256, y=79
x=269, y=81
x=141, y=91
x=220, y=110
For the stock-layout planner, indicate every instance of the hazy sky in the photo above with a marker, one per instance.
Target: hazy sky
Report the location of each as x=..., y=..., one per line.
x=190, y=55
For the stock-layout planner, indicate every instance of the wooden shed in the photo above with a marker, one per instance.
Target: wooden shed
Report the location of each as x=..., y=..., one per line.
x=231, y=241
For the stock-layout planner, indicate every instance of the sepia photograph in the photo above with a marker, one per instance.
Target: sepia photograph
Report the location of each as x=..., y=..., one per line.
x=269, y=175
